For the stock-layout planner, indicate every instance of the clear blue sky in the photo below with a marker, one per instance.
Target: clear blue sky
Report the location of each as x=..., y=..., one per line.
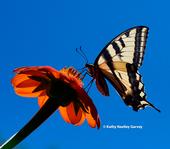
x=39, y=32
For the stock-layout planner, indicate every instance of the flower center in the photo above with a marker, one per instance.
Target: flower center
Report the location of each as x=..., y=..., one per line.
x=62, y=92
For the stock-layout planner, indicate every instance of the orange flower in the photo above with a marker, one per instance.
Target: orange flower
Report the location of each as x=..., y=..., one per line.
x=65, y=87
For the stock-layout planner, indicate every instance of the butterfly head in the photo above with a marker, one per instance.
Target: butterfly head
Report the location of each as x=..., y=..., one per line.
x=90, y=69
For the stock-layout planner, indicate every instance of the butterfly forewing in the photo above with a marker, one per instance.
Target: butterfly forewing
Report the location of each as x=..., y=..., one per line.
x=127, y=47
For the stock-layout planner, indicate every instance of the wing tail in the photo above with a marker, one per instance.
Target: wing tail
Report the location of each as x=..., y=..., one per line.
x=151, y=105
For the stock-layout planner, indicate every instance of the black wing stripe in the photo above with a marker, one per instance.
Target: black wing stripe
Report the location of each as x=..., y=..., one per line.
x=122, y=42
x=130, y=37
x=127, y=34
x=133, y=93
x=137, y=44
x=116, y=47
x=138, y=97
x=106, y=55
x=111, y=67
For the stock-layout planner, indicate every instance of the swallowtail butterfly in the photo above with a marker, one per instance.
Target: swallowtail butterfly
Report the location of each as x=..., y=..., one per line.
x=118, y=63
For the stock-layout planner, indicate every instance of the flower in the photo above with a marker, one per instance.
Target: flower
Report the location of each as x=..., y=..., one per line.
x=64, y=86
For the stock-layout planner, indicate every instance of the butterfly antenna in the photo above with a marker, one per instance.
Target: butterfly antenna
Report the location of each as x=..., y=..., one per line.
x=80, y=51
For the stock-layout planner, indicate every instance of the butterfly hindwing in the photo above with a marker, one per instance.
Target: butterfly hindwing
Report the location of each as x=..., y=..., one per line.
x=101, y=83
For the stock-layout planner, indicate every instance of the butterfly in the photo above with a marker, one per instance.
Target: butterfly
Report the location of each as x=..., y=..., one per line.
x=118, y=63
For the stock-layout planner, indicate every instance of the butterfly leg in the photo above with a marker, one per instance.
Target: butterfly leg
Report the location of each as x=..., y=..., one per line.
x=87, y=88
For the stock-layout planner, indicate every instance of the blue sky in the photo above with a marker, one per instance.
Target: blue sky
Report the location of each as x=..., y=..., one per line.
x=39, y=32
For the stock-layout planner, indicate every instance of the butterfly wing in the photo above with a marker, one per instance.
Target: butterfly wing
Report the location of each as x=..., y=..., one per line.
x=119, y=62
x=101, y=83
x=128, y=47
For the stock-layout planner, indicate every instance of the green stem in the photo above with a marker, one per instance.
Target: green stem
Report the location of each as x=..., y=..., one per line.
x=46, y=110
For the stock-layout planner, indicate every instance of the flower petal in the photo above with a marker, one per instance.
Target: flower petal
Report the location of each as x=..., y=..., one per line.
x=69, y=115
x=92, y=115
x=41, y=71
x=63, y=112
x=43, y=81
x=24, y=86
x=72, y=75
x=42, y=99
x=91, y=121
